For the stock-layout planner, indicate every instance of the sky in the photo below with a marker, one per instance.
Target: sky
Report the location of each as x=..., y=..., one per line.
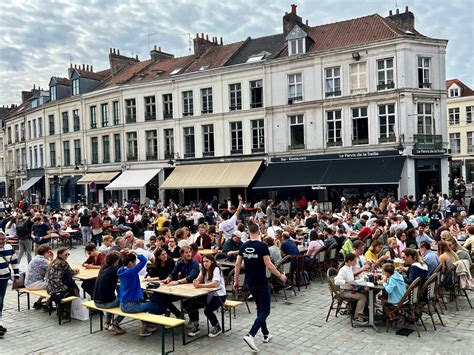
x=39, y=38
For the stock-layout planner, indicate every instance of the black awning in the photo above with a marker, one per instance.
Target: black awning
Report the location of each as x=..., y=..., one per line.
x=367, y=171
x=64, y=180
x=71, y=180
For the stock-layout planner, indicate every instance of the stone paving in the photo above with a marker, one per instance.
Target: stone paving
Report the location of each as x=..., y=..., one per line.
x=298, y=326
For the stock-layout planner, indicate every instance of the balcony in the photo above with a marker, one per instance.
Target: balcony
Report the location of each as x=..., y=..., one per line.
x=424, y=85
x=293, y=99
x=428, y=141
x=360, y=141
x=189, y=155
x=296, y=146
x=258, y=150
x=167, y=115
x=205, y=112
x=150, y=117
x=132, y=157
x=389, y=139
x=386, y=86
x=131, y=118
x=333, y=93
x=334, y=144
x=256, y=104
x=152, y=156
x=208, y=154
x=236, y=152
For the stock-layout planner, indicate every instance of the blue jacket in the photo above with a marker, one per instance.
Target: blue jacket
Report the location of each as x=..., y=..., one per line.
x=416, y=270
x=395, y=288
x=190, y=270
x=130, y=289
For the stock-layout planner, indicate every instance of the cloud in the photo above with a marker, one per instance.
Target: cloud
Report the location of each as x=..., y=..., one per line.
x=39, y=37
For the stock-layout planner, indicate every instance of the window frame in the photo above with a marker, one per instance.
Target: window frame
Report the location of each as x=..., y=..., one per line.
x=455, y=137
x=208, y=144
x=189, y=140
x=150, y=108
x=296, y=122
x=235, y=96
x=389, y=135
x=206, y=101
x=454, y=116
x=153, y=154
x=360, y=116
x=334, y=140
x=424, y=73
x=257, y=127
x=93, y=116
x=65, y=121
x=169, y=142
x=188, y=103
x=386, y=84
x=296, y=94
x=236, y=138
x=104, y=109
x=132, y=146
x=361, y=84
x=423, y=115
x=330, y=76
x=167, y=106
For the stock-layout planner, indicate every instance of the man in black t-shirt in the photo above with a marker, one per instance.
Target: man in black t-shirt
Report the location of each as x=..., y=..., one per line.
x=256, y=257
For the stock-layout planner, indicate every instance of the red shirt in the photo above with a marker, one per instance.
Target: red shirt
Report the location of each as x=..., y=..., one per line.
x=364, y=233
x=100, y=261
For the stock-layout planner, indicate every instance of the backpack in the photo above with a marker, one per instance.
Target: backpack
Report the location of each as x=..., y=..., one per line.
x=22, y=230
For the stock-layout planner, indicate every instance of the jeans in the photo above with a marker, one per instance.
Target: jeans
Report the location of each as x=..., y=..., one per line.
x=212, y=306
x=88, y=287
x=25, y=246
x=86, y=235
x=138, y=307
x=3, y=290
x=192, y=307
x=113, y=304
x=97, y=239
x=262, y=300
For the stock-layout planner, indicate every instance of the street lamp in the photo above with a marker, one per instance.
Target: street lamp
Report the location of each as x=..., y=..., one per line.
x=171, y=161
x=400, y=146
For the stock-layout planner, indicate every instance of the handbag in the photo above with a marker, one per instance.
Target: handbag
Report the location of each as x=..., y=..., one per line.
x=19, y=282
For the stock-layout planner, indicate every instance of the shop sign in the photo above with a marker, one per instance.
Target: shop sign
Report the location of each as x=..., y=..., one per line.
x=429, y=151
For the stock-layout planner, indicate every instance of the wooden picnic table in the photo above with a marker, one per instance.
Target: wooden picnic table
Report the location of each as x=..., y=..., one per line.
x=84, y=274
x=208, y=251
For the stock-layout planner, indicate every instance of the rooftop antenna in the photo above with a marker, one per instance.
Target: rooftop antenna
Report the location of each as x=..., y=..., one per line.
x=396, y=4
x=70, y=57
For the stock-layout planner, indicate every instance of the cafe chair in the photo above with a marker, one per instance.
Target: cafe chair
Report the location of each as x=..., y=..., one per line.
x=316, y=267
x=299, y=273
x=454, y=289
x=429, y=298
x=407, y=308
x=285, y=267
x=243, y=290
x=338, y=302
x=333, y=256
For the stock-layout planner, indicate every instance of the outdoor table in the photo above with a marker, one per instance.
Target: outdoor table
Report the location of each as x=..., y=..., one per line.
x=208, y=251
x=182, y=291
x=71, y=232
x=303, y=249
x=84, y=274
x=371, y=288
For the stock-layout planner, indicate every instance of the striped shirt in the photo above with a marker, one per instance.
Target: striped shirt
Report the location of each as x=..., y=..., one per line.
x=8, y=257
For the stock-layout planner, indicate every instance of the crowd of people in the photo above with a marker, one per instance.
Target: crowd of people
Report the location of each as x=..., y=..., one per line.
x=163, y=243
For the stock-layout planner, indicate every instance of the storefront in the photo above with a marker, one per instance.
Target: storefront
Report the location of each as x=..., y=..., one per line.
x=428, y=164
x=136, y=184
x=95, y=186
x=33, y=189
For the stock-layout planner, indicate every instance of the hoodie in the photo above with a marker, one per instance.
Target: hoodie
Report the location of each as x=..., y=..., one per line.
x=416, y=270
x=395, y=288
x=130, y=289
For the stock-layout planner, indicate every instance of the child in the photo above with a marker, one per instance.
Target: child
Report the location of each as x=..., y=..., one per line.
x=394, y=285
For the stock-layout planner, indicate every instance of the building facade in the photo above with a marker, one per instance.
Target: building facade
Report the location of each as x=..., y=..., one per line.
x=333, y=95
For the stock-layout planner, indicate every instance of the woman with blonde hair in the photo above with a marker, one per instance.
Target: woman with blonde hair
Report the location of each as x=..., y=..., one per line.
x=447, y=257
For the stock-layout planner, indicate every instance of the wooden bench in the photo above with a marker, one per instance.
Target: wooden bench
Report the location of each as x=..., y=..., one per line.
x=166, y=323
x=44, y=293
x=228, y=306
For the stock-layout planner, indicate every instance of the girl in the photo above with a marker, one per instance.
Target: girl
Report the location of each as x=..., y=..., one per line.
x=162, y=266
x=393, y=284
x=210, y=277
x=446, y=258
x=416, y=266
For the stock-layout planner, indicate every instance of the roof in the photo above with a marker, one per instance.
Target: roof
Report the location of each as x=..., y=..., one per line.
x=163, y=68
x=101, y=75
x=62, y=81
x=272, y=44
x=215, y=57
x=465, y=90
x=125, y=74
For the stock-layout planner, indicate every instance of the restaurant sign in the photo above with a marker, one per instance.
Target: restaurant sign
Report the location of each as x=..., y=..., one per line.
x=429, y=151
x=354, y=155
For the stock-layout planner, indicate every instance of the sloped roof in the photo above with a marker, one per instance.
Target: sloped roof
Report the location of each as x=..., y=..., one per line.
x=125, y=74
x=272, y=44
x=215, y=57
x=163, y=68
x=101, y=75
x=465, y=90
x=62, y=81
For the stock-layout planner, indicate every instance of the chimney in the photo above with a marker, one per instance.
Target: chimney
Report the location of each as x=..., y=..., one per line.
x=202, y=44
x=157, y=55
x=404, y=20
x=118, y=62
x=290, y=20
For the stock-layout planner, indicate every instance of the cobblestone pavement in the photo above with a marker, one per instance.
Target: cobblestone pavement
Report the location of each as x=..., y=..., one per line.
x=298, y=326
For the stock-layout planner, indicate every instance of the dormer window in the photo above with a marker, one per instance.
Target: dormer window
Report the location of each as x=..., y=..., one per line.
x=175, y=71
x=52, y=93
x=75, y=87
x=454, y=91
x=297, y=41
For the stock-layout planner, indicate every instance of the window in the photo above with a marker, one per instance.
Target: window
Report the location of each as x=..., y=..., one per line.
x=17, y=133
x=93, y=117
x=104, y=108
x=470, y=142
x=206, y=100
x=469, y=110
x=358, y=78
x=236, y=138
x=295, y=88
x=387, y=123
x=297, y=46
x=151, y=145
x=175, y=71
x=117, y=148
x=454, y=92
x=95, y=150
x=35, y=158
x=52, y=93
x=105, y=149
x=32, y=162
x=296, y=132
x=9, y=130
x=334, y=128
x=385, y=74
x=425, y=118
x=189, y=146
x=41, y=159
x=188, y=109
x=333, y=81
x=132, y=146
x=169, y=143
x=116, y=113
x=75, y=87
x=453, y=115
x=150, y=108
x=455, y=143
x=22, y=133
x=76, y=120
x=256, y=94
x=66, y=154
x=258, y=136
x=208, y=140
x=40, y=126
x=424, y=73
x=33, y=128
x=52, y=155
x=77, y=152
x=131, y=111
x=10, y=133
x=167, y=106
x=235, y=96
x=360, y=126
x=65, y=116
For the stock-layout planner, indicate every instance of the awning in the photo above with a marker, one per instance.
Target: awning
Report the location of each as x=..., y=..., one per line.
x=98, y=178
x=218, y=175
x=70, y=179
x=132, y=179
x=29, y=184
x=367, y=171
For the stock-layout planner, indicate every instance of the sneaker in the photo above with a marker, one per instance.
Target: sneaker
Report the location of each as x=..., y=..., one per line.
x=108, y=325
x=2, y=333
x=250, y=342
x=343, y=312
x=215, y=331
x=267, y=338
x=3, y=329
x=37, y=305
x=151, y=328
x=195, y=331
x=115, y=327
x=190, y=325
x=360, y=321
x=144, y=332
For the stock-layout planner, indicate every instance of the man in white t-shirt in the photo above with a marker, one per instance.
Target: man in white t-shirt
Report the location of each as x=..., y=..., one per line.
x=140, y=249
x=229, y=225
